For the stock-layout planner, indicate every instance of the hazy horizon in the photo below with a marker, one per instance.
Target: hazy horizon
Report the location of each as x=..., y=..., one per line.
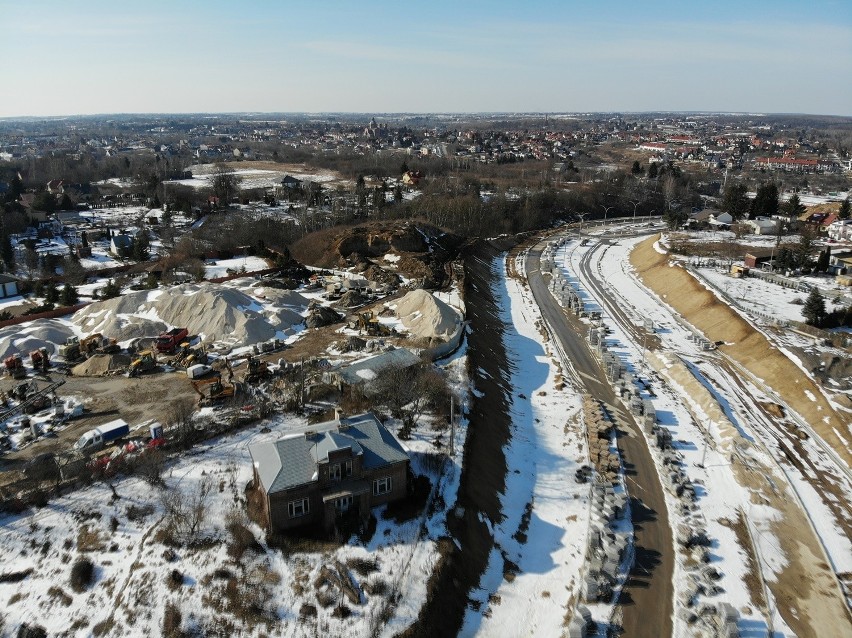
x=95, y=58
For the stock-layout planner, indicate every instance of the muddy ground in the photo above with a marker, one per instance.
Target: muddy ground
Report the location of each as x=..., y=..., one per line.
x=153, y=396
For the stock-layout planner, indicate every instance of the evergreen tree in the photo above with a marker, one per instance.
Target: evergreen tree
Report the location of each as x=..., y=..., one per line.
x=636, y=169
x=794, y=207
x=843, y=213
x=7, y=252
x=653, y=170
x=51, y=294
x=397, y=193
x=814, y=308
x=111, y=290
x=141, y=246
x=69, y=295
x=822, y=261
x=736, y=202
x=765, y=203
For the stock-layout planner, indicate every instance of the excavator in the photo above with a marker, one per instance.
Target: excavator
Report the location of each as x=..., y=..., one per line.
x=369, y=323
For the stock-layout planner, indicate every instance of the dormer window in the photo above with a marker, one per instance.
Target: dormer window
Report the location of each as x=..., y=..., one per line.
x=347, y=468
x=334, y=472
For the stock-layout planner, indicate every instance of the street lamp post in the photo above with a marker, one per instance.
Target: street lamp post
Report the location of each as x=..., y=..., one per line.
x=635, y=205
x=606, y=211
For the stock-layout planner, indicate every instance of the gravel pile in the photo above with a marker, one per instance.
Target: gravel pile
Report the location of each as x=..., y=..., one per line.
x=426, y=317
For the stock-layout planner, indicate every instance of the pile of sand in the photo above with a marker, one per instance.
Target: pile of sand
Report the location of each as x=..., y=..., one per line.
x=426, y=317
x=100, y=364
x=46, y=333
x=216, y=312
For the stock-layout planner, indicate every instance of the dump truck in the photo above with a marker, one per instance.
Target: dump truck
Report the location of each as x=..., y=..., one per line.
x=88, y=345
x=15, y=366
x=40, y=359
x=70, y=350
x=144, y=362
x=97, y=438
x=169, y=341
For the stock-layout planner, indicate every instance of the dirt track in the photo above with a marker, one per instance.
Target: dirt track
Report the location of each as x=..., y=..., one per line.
x=743, y=343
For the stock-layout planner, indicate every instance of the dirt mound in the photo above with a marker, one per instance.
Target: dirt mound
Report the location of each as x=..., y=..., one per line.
x=744, y=344
x=101, y=364
x=216, y=312
x=319, y=316
x=423, y=248
x=426, y=317
x=23, y=339
x=352, y=298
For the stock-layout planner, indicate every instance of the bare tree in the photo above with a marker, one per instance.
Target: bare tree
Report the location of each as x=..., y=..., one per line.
x=226, y=184
x=185, y=511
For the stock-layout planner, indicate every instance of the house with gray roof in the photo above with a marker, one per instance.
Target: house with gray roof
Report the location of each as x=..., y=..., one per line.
x=321, y=474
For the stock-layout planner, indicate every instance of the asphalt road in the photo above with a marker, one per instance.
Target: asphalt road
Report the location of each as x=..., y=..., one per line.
x=647, y=597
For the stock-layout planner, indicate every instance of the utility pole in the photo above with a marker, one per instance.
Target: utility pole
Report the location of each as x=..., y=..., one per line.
x=452, y=425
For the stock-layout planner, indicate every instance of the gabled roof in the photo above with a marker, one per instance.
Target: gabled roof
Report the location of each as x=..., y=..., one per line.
x=292, y=461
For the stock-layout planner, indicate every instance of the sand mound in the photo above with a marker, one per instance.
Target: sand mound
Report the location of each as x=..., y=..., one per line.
x=45, y=333
x=216, y=312
x=426, y=317
x=101, y=364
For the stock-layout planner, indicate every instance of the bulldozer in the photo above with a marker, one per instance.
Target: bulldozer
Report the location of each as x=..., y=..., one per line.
x=212, y=390
x=258, y=370
x=144, y=362
x=367, y=322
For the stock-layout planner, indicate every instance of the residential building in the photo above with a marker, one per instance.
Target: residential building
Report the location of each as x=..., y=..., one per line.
x=324, y=473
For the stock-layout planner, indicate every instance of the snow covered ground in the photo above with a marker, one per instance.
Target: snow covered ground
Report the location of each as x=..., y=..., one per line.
x=546, y=448
x=704, y=441
x=220, y=267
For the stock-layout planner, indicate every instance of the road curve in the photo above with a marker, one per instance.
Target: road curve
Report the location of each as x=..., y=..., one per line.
x=647, y=597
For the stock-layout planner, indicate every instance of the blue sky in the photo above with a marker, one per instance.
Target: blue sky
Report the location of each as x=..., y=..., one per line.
x=62, y=58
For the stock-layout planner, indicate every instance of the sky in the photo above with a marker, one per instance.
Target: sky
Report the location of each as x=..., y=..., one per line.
x=153, y=56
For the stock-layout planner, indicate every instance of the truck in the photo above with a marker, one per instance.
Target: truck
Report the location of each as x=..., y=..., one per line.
x=97, y=438
x=15, y=366
x=40, y=359
x=198, y=370
x=168, y=341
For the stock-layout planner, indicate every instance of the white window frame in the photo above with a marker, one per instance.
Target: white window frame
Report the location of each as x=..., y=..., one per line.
x=382, y=486
x=334, y=472
x=293, y=506
x=343, y=504
x=347, y=468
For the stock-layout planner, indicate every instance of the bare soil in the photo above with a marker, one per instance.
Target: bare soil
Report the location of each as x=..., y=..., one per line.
x=806, y=590
x=742, y=342
x=151, y=396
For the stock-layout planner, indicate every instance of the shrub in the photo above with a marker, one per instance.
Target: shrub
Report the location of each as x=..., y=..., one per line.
x=171, y=621
x=137, y=513
x=363, y=566
x=82, y=574
x=174, y=579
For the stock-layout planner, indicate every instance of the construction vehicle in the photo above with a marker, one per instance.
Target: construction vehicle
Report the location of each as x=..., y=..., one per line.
x=369, y=323
x=167, y=342
x=257, y=370
x=40, y=359
x=145, y=361
x=212, y=390
x=70, y=350
x=109, y=346
x=15, y=366
x=88, y=345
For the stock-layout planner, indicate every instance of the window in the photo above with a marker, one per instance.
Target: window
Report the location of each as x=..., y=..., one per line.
x=334, y=472
x=381, y=486
x=298, y=508
x=348, y=468
x=343, y=503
